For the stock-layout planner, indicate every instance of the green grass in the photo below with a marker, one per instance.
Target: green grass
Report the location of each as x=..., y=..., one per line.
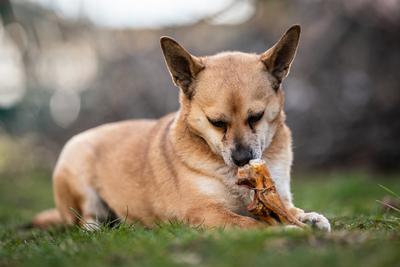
x=362, y=235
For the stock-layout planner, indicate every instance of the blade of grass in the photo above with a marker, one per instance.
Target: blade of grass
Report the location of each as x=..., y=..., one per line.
x=389, y=191
x=388, y=205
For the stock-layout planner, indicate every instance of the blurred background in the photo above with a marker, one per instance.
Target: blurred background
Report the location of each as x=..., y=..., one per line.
x=69, y=65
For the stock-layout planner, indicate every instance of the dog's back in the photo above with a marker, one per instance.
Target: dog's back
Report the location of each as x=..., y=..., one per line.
x=81, y=178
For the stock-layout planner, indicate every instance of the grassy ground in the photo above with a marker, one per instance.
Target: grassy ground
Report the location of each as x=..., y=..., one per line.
x=362, y=235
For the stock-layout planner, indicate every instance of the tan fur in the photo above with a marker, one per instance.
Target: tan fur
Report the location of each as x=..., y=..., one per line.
x=179, y=167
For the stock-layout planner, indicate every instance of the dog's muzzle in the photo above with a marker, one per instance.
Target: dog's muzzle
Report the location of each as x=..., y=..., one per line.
x=241, y=155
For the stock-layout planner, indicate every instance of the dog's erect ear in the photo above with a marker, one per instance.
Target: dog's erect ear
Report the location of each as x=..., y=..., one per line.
x=183, y=66
x=278, y=58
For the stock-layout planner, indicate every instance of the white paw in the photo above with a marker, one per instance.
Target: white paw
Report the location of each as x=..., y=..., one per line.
x=315, y=220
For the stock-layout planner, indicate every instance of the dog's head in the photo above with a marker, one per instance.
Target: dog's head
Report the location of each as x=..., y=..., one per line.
x=233, y=100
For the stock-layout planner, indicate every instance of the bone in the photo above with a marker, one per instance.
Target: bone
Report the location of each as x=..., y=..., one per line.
x=266, y=204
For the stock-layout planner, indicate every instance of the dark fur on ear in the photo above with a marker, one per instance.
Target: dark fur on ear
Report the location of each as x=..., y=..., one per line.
x=182, y=66
x=278, y=58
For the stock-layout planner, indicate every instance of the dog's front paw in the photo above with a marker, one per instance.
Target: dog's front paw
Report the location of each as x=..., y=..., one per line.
x=315, y=220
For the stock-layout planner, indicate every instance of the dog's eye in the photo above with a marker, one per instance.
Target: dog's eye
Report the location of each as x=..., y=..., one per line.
x=218, y=123
x=255, y=118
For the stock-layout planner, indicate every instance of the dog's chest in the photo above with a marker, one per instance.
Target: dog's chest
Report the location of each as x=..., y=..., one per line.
x=224, y=191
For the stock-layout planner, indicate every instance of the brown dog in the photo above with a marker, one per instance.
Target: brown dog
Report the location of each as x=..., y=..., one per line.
x=183, y=166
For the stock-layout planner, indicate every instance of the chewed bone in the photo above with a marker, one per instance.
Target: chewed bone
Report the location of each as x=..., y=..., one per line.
x=266, y=203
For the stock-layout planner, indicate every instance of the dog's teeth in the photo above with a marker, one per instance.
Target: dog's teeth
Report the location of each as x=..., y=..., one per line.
x=246, y=167
x=251, y=195
x=256, y=161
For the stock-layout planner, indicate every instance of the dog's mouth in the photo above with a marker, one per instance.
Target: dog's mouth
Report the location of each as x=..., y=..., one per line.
x=245, y=183
x=245, y=186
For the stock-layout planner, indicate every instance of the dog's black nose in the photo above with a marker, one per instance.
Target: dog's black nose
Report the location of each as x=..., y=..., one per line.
x=241, y=155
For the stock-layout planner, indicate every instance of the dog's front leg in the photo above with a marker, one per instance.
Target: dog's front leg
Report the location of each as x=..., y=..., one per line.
x=280, y=172
x=216, y=215
x=315, y=219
